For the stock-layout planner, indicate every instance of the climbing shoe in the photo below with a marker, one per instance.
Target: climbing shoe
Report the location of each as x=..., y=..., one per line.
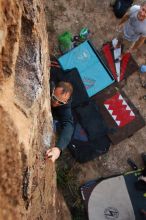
x=143, y=156
x=132, y=164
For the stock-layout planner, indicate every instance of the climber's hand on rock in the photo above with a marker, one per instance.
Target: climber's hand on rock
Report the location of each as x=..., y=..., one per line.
x=53, y=153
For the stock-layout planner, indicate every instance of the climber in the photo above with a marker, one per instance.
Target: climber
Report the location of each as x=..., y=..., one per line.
x=61, y=111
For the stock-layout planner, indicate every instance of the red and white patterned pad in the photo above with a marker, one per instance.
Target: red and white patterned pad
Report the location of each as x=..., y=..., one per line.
x=119, y=110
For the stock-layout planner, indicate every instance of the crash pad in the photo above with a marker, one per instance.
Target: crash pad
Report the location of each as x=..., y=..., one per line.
x=92, y=69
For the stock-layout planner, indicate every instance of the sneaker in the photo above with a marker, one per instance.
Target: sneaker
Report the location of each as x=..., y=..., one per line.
x=143, y=156
x=132, y=164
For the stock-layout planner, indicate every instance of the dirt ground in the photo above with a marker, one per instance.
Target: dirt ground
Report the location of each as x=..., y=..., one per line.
x=97, y=15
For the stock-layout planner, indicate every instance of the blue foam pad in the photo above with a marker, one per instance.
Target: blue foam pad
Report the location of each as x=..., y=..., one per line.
x=92, y=71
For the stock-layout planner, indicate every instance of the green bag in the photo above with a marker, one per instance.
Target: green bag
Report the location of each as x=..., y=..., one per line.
x=65, y=41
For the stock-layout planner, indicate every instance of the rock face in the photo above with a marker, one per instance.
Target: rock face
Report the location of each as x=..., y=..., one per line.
x=27, y=181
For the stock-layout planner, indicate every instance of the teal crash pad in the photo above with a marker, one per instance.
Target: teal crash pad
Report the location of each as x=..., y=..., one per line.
x=92, y=70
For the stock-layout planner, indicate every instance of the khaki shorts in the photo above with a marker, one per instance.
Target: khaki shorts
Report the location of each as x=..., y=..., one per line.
x=122, y=41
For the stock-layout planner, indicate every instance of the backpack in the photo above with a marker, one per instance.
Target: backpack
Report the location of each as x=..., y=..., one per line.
x=120, y=7
x=84, y=151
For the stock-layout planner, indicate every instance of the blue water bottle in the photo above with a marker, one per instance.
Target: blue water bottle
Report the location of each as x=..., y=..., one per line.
x=143, y=69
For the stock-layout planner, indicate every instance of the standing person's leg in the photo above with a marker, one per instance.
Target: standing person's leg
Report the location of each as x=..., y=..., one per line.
x=121, y=42
x=120, y=37
x=125, y=44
